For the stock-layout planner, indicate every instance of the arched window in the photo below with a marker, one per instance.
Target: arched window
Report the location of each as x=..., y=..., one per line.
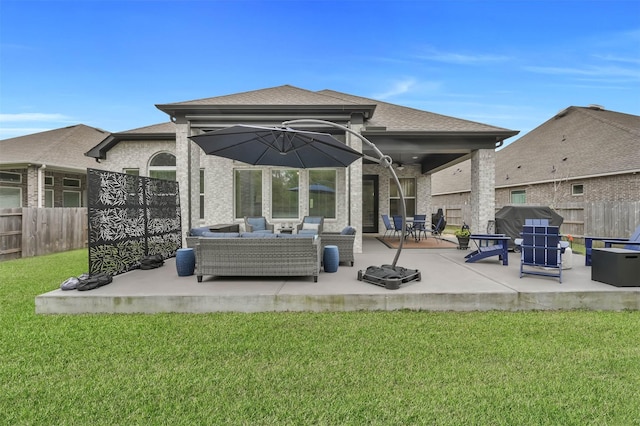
x=163, y=166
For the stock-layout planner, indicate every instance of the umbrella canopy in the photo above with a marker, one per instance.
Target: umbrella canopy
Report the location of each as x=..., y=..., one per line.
x=316, y=187
x=277, y=146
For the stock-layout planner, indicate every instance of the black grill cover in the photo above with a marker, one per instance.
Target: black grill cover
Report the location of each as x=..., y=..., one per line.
x=510, y=219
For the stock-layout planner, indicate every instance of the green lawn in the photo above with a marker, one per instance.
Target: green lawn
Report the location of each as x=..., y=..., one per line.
x=374, y=368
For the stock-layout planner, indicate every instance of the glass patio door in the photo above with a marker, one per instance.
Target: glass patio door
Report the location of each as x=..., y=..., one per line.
x=370, y=203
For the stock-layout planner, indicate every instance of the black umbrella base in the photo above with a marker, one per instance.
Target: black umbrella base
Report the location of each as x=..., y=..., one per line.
x=388, y=276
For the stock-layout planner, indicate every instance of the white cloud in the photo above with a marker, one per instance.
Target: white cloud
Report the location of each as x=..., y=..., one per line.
x=34, y=116
x=398, y=88
x=591, y=71
x=462, y=58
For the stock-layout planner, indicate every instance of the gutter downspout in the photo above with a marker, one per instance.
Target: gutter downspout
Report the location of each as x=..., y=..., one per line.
x=41, y=184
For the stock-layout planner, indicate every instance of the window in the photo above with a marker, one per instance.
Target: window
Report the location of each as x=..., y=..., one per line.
x=163, y=166
x=201, y=193
x=10, y=177
x=71, y=199
x=71, y=183
x=10, y=197
x=322, y=193
x=518, y=196
x=284, y=194
x=132, y=172
x=48, y=180
x=577, y=189
x=409, y=189
x=248, y=192
x=48, y=197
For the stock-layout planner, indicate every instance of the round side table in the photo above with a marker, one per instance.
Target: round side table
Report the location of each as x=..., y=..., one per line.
x=331, y=258
x=185, y=262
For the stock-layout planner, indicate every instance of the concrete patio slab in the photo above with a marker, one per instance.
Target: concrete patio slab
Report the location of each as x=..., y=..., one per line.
x=448, y=284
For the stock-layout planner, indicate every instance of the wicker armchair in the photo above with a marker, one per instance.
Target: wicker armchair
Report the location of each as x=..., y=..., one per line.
x=311, y=225
x=257, y=224
x=344, y=241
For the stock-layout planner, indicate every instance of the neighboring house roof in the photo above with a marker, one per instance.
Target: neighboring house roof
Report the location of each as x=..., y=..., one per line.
x=160, y=131
x=577, y=142
x=57, y=149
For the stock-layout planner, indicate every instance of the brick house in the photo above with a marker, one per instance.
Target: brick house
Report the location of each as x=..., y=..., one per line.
x=581, y=155
x=47, y=169
x=218, y=190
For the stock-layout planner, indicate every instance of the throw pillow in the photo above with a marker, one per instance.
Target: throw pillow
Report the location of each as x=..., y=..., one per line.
x=310, y=226
x=257, y=223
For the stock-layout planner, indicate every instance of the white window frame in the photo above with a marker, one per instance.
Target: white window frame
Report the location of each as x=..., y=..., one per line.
x=14, y=188
x=519, y=192
x=3, y=174
x=574, y=192
x=64, y=193
x=71, y=183
x=49, y=195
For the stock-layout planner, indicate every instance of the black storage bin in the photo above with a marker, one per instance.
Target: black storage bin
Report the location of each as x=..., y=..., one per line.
x=616, y=266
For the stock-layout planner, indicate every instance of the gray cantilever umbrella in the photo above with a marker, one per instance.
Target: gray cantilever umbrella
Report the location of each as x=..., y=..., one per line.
x=277, y=146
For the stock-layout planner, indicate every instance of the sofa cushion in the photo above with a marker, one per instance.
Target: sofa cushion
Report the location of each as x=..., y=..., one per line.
x=257, y=223
x=310, y=226
x=209, y=234
x=298, y=235
x=197, y=232
x=348, y=230
x=257, y=235
x=264, y=231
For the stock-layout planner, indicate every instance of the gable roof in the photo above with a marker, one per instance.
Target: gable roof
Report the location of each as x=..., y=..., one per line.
x=397, y=118
x=281, y=98
x=577, y=142
x=58, y=149
x=408, y=135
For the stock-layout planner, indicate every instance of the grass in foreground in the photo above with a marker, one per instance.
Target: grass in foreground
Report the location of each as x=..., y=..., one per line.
x=308, y=368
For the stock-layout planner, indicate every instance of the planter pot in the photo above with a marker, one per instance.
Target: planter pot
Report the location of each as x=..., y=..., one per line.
x=463, y=243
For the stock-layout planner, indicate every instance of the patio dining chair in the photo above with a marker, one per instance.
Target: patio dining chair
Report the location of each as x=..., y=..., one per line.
x=420, y=225
x=388, y=225
x=397, y=224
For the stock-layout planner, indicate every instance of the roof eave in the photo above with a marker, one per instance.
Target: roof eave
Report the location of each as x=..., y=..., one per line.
x=100, y=151
x=174, y=110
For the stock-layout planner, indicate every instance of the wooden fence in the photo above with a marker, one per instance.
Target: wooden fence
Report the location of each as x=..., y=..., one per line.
x=26, y=232
x=608, y=219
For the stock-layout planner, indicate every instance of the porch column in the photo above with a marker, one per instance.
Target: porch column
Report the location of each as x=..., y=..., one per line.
x=354, y=186
x=483, y=184
x=186, y=167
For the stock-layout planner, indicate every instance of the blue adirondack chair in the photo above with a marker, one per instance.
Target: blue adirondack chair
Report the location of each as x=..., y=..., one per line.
x=632, y=243
x=541, y=251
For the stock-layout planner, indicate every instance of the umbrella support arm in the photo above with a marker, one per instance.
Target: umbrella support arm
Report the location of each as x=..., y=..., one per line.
x=385, y=160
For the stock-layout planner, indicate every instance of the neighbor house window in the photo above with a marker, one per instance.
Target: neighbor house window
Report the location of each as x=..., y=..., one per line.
x=71, y=199
x=48, y=197
x=285, y=194
x=409, y=189
x=10, y=197
x=163, y=166
x=518, y=197
x=577, y=189
x=201, y=193
x=71, y=183
x=132, y=172
x=248, y=193
x=10, y=177
x=322, y=193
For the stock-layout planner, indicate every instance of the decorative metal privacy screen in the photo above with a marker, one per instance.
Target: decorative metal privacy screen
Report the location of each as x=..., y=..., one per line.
x=130, y=217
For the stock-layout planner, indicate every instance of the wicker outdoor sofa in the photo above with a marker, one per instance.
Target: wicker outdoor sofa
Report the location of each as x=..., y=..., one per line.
x=250, y=254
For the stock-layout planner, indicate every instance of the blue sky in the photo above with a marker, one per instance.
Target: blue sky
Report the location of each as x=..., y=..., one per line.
x=509, y=63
